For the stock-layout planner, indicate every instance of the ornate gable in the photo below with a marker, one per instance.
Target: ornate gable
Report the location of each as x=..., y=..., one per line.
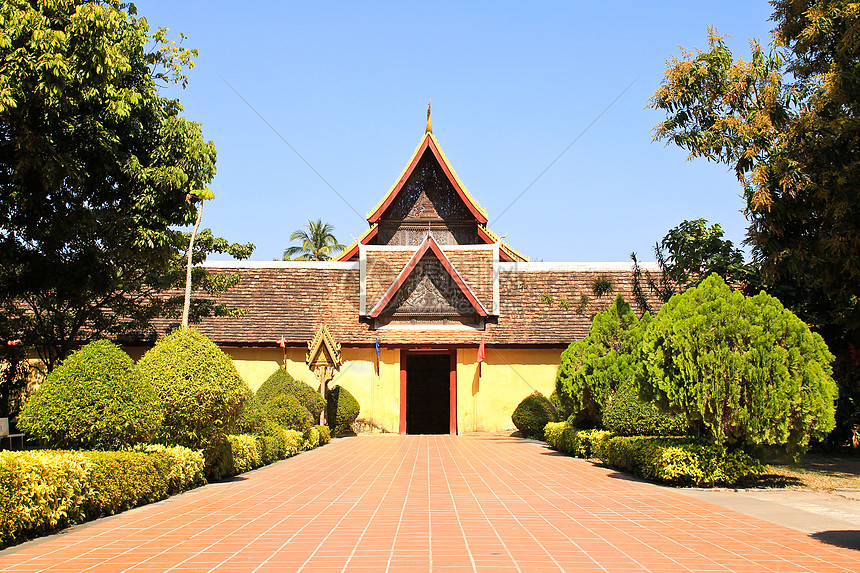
x=428, y=196
x=429, y=287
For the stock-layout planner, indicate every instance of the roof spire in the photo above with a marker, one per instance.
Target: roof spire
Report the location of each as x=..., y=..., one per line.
x=429, y=125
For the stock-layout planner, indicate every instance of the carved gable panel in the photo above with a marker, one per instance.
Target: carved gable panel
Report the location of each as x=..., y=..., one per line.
x=429, y=290
x=428, y=195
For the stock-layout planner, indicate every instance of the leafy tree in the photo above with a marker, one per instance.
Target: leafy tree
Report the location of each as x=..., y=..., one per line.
x=686, y=255
x=318, y=243
x=591, y=369
x=788, y=122
x=96, y=172
x=746, y=370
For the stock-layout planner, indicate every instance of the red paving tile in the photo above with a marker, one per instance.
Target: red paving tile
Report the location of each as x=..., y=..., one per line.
x=423, y=503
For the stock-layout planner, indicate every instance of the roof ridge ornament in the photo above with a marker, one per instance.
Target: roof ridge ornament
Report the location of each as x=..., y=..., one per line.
x=429, y=128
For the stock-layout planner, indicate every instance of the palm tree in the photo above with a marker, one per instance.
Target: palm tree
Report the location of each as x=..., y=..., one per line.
x=318, y=243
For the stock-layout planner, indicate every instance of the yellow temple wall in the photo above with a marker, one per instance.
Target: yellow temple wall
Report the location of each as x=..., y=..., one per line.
x=484, y=404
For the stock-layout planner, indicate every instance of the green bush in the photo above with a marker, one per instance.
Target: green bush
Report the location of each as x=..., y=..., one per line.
x=251, y=418
x=626, y=414
x=746, y=370
x=292, y=442
x=680, y=461
x=40, y=491
x=94, y=399
x=343, y=409
x=186, y=465
x=311, y=438
x=287, y=411
x=200, y=388
x=591, y=369
x=532, y=414
x=121, y=480
x=246, y=453
x=674, y=460
x=280, y=383
x=570, y=440
x=325, y=434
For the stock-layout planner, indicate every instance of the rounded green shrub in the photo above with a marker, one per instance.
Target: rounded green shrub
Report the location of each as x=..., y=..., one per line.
x=286, y=411
x=95, y=399
x=198, y=385
x=626, y=414
x=746, y=370
x=343, y=409
x=251, y=418
x=533, y=414
x=591, y=369
x=280, y=382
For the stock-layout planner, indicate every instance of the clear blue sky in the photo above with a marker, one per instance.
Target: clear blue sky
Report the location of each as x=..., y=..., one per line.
x=513, y=84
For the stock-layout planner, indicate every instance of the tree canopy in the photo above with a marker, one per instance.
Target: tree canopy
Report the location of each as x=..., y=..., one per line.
x=788, y=122
x=97, y=171
x=747, y=370
x=317, y=243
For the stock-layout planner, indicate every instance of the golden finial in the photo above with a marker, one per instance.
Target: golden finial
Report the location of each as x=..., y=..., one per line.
x=429, y=125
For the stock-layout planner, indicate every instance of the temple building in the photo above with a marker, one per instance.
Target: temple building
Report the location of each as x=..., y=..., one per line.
x=441, y=326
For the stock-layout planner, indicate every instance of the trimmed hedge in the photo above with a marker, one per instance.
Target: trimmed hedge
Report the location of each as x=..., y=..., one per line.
x=311, y=439
x=625, y=414
x=41, y=491
x=674, y=460
x=280, y=383
x=325, y=434
x=532, y=414
x=343, y=409
x=680, y=461
x=286, y=410
x=200, y=388
x=95, y=399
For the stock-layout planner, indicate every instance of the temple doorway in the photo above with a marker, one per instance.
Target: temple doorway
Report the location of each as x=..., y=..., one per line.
x=430, y=384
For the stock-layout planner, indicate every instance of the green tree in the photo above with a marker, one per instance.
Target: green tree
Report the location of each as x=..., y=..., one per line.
x=686, y=255
x=788, y=122
x=747, y=371
x=318, y=243
x=591, y=369
x=96, y=173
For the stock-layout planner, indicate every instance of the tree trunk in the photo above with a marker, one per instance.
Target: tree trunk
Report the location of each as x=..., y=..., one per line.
x=186, y=307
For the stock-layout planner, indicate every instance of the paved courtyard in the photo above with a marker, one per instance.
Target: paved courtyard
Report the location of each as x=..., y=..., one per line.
x=422, y=503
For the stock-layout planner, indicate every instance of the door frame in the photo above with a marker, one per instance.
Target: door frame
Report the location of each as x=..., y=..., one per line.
x=452, y=386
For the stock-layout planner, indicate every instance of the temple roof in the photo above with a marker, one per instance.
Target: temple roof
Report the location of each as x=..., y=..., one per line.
x=428, y=142
x=429, y=145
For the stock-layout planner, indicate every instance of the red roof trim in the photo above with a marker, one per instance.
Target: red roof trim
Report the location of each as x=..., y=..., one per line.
x=502, y=254
x=428, y=244
x=392, y=195
x=353, y=252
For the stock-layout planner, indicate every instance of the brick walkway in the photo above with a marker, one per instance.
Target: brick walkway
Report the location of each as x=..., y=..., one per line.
x=396, y=503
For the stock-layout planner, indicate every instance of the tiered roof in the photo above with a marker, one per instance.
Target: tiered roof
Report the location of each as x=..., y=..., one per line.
x=429, y=145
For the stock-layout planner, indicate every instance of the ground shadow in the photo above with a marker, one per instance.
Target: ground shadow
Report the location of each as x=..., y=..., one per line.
x=846, y=538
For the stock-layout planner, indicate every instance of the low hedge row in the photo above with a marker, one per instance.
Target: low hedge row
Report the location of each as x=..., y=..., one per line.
x=252, y=451
x=43, y=490
x=679, y=461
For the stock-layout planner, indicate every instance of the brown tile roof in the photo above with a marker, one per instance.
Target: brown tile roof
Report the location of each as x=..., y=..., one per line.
x=294, y=300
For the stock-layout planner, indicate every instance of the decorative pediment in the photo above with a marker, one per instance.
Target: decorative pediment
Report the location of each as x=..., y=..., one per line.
x=429, y=285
